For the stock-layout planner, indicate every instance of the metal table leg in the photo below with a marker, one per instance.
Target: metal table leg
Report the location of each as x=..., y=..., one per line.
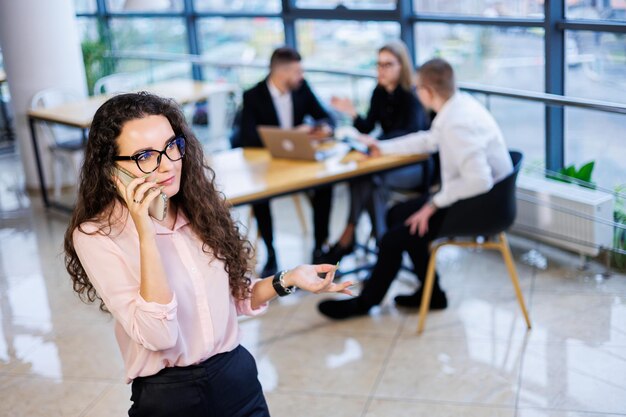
x=42, y=181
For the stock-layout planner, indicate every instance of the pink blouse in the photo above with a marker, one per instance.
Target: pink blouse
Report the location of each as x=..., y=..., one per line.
x=199, y=322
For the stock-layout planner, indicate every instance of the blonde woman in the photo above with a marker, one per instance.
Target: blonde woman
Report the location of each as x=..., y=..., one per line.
x=396, y=109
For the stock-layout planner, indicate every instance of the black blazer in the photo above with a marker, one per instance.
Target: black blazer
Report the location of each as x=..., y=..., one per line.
x=398, y=113
x=258, y=109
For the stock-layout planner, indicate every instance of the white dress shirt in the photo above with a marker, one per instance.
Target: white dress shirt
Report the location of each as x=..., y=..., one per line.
x=471, y=148
x=283, y=105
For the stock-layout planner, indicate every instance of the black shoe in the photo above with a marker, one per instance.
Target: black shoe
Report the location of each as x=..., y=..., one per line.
x=336, y=253
x=270, y=268
x=342, y=309
x=438, y=300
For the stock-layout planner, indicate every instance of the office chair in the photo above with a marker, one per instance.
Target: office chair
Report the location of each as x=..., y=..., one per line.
x=65, y=144
x=489, y=214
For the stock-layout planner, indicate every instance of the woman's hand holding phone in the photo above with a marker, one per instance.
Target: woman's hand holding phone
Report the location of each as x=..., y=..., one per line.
x=138, y=195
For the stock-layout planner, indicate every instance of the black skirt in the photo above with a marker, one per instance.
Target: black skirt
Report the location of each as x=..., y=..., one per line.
x=225, y=385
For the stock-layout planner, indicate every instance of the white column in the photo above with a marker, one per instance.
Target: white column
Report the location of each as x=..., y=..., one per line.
x=41, y=49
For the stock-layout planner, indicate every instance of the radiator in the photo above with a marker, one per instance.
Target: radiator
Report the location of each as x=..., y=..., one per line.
x=565, y=215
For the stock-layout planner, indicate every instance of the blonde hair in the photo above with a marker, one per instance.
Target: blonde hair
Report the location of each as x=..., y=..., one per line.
x=401, y=52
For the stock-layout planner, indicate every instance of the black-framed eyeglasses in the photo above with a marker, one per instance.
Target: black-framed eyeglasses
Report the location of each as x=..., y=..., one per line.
x=149, y=160
x=385, y=65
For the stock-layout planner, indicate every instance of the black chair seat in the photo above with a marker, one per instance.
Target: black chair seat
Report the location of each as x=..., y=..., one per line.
x=487, y=214
x=484, y=215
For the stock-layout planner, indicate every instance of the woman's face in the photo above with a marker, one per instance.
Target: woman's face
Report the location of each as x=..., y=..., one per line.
x=151, y=132
x=389, y=69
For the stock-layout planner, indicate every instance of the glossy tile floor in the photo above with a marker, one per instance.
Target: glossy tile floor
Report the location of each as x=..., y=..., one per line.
x=58, y=357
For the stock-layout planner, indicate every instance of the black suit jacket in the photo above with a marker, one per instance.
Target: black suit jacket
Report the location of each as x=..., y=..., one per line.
x=258, y=110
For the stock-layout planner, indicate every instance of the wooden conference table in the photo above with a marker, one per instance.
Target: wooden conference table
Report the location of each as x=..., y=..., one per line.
x=250, y=175
x=79, y=114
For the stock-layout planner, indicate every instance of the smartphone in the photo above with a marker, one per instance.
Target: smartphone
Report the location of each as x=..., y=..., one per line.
x=158, y=206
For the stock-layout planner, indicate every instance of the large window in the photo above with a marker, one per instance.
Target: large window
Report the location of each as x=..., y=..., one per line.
x=88, y=29
x=596, y=65
x=501, y=57
x=85, y=6
x=351, y=4
x=597, y=136
x=496, y=43
x=504, y=57
x=523, y=127
x=484, y=8
x=145, y=5
x=344, y=45
x=596, y=9
x=252, y=6
x=161, y=34
x=149, y=34
x=596, y=69
x=240, y=40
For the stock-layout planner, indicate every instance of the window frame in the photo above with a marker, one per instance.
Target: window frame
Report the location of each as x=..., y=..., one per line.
x=554, y=23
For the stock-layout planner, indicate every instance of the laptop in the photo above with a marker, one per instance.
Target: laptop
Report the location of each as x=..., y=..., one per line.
x=294, y=144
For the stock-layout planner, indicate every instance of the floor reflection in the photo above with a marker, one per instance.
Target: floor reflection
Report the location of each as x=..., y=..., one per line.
x=59, y=357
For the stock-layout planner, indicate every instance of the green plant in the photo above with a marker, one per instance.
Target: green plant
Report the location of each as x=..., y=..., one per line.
x=93, y=58
x=619, y=236
x=583, y=174
x=96, y=63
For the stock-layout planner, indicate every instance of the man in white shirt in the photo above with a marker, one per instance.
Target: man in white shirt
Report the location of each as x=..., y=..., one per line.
x=473, y=158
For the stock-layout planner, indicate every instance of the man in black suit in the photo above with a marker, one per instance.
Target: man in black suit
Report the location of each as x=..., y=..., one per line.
x=284, y=99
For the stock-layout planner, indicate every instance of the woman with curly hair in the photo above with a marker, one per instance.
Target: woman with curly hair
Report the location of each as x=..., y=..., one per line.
x=174, y=287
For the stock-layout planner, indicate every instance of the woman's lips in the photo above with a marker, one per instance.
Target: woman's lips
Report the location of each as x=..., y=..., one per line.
x=168, y=181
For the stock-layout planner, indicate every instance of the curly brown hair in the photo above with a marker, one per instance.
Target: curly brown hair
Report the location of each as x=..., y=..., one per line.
x=205, y=207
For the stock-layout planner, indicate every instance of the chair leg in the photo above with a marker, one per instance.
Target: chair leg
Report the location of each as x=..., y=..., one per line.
x=505, y=250
x=298, y=204
x=58, y=177
x=427, y=292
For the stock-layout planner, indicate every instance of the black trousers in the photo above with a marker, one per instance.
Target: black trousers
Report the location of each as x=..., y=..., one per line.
x=372, y=193
x=321, y=202
x=396, y=240
x=225, y=385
